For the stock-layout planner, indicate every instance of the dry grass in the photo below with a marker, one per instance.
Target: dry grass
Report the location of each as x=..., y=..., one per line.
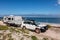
x=3, y=27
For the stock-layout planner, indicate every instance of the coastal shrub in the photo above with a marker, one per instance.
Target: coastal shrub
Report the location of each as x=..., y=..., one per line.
x=22, y=38
x=45, y=38
x=10, y=39
x=3, y=27
x=11, y=29
x=1, y=35
x=49, y=26
x=9, y=35
x=17, y=30
x=34, y=38
x=25, y=31
x=14, y=30
x=26, y=35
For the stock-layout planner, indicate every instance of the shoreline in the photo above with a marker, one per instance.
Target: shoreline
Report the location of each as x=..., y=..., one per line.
x=52, y=24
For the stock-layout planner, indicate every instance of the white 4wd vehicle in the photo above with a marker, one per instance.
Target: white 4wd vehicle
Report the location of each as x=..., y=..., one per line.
x=33, y=26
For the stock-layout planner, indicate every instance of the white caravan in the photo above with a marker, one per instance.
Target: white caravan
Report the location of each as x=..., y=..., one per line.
x=16, y=20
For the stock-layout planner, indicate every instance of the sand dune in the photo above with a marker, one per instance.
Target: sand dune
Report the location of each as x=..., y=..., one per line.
x=1, y=23
x=50, y=33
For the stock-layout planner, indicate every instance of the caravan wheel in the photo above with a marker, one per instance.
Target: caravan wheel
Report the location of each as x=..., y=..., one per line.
x=37, y=30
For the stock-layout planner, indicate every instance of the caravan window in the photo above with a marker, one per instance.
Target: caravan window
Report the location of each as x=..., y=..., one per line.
x=5, y=18
x=9, y=18
x=12, y=18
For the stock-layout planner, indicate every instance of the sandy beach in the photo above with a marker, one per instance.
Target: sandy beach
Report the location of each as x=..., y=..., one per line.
x=50, y=33
x=1, y=23
x=52, y=24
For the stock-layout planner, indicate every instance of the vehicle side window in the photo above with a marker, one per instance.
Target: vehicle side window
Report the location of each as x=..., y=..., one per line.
x=30, y=23
x=33, y=24
x=26, y=22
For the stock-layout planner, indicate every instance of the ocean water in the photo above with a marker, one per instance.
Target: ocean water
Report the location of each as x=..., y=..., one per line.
x=48, y=20
x=41, y=19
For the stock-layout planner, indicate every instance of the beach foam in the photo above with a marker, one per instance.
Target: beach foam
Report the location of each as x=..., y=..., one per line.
x=52, y=24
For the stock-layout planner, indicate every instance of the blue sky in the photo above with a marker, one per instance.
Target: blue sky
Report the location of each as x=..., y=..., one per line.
x=24, y=7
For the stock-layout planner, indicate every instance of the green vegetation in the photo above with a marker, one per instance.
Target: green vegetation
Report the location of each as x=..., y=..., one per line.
x=18, y=30
x=45, y=38
x=25, y=31
x=10, y=37
x=1, y=34
x=14, y=30
x=3, y=27
x=27, y=35
x=11, y=29
x=49, y=26
x=22, y=38
x=34, y=38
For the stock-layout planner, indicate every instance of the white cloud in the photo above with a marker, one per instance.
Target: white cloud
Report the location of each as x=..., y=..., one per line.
x=59, y=2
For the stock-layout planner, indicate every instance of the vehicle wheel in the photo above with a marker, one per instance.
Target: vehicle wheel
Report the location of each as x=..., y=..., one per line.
x=46, y=28
x=23, y=27
x=43, y=30
x=37, y=30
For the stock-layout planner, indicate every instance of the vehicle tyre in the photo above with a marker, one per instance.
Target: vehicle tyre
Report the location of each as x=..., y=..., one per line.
x=46, y=28
x=43, y=30
x=23, y=27
x=37, y=30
